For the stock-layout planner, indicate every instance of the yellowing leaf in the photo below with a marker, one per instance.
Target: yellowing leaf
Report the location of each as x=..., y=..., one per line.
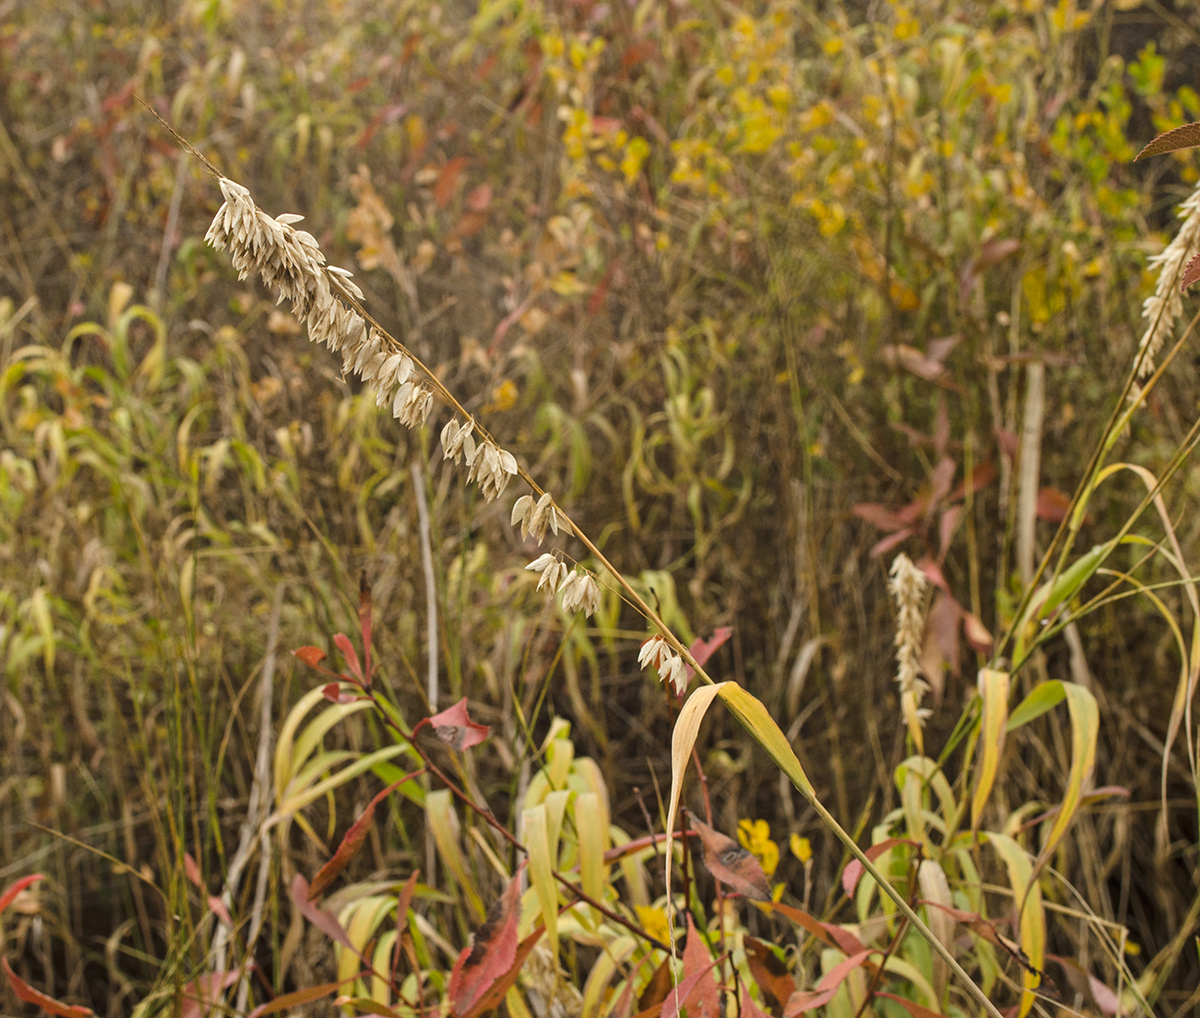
x=993, y=689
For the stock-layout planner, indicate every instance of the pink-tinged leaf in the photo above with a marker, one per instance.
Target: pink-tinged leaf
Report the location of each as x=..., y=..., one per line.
x=939, y=349
x=702, y=650
x=11, y=892
x=364, y=624
x=771, y=974
x=297, y=997
x=989, y=254
x=943, y=477
x=980, y=478
x=455, y=728
x=1091, y=989
x=941, y=429
x=28, y=994
x=933, y=573
x=491, y=954
x=311, y=656
x=1191, y=272
x=939, y=649
x=192, y=871
x=1187, y=136
x=878, y=516
x=219, y=910
x=352, y=841
x=947, y=525
x=479, y=198
x=403, y=903
x=751, y=1009
x=732, y=865
x=351, y=656
x=826, y=988
x=1052, y=505
x=324, y=921
x=1009, y=442
x=977, y=634
x=200, y=995
x=888, y=543
x=916, y=1010
x=834, y=936
x=854, y=869
x=697, y=990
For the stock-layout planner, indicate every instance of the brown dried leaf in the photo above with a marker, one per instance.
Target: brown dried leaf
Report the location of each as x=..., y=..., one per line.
x=1187, y=136
x=770, y=973
x=491, y=954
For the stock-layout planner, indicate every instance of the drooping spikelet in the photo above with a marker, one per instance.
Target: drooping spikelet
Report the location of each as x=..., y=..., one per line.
x=907, y=587
x=1165, y=305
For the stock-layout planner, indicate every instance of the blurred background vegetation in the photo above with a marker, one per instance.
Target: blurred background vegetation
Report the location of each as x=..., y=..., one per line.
x=756, y=289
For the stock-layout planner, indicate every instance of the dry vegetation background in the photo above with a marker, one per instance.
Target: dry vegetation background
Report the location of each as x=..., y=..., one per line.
x=737, y=282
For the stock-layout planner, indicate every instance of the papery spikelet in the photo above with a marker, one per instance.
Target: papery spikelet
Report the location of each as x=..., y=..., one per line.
x=907, y=587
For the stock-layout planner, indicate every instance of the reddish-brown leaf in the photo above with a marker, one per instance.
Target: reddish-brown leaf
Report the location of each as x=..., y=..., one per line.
x=831, y=934
x=728, y=862
x=697, y=991
x=977, y=634
x=295, y=998
x=1191, y=272
x=751, y=1009
x=448, y=176
x=455, y=728
x=496, y=992
x=351, y=656
x=1052, y=505
x=885, y=545
x=311, y=656
x=11, y=892
x=403, y=903
x=1187, y=136
x=980, y=478
x=28, y=994
x=334, y=693
x=770, y=973
x=324, y=921
x=491, y=954
x=854, y=869
x=351, y=842
x=656, y=990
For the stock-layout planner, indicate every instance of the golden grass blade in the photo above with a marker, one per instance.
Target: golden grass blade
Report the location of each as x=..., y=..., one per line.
x=1032, y=925
x=1085, y=727
x=537, y=826
x=443, y=820
x=993, y=690
x=591, y=827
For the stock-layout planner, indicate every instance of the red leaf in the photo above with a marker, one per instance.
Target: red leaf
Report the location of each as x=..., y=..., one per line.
x=333, y=692
x=697, y=991
x=311, y=656
x=352, y=841
x=834, y=936
x=495, y=994
x=702, y=650
x=351, y=656
x=1187, y=136
x=456, y=729
x=854, y=868
x=219, y=910
x=980, y=478
x=324, y=921
x=1191, y=272
x=728, y=862
x=943, y=477
x=770, y=973
x=28, y=994
x=492, y=953
x=933, y=573
x=1052, y=505
x=443, y=190
x=946, y=527
x=364, y=622
x=11, y=892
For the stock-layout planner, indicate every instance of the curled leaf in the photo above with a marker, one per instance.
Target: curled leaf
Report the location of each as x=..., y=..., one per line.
x=732, y=865
x=455, y=728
